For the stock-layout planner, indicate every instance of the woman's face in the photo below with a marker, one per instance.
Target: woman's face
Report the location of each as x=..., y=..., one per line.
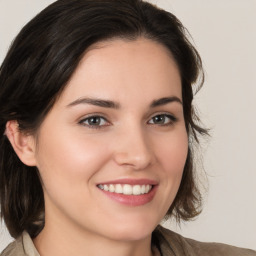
x=111, y=152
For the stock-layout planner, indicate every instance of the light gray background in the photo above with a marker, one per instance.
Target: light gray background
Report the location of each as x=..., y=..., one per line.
x=224, y=32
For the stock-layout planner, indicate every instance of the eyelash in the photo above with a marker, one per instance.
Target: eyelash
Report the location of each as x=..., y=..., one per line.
x=85, y=121
x=172, y=119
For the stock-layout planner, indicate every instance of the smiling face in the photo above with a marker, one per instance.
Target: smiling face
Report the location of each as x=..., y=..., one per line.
x=111, y=152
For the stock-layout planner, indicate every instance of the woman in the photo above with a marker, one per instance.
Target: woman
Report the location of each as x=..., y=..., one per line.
x=98, y=127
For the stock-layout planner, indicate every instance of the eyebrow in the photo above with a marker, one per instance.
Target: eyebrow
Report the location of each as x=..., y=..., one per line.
x=116, y=105
x=95, y=102
x=164, y=101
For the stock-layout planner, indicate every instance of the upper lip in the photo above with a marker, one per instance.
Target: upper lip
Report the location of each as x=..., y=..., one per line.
x=131, y=182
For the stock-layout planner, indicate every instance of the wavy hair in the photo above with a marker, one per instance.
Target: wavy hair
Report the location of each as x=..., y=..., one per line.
x=40, y=62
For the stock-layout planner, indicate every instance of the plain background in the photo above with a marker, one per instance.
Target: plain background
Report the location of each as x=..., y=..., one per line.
x=225, y=35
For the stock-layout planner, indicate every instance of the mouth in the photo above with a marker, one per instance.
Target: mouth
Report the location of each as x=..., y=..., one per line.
x=130, y=192
x=126, y=189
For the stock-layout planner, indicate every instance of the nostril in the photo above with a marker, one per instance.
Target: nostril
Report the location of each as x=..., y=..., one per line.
x=133, y=149
x=133, y=160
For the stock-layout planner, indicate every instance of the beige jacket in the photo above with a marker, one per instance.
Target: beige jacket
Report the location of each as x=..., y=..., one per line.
x=168, y=243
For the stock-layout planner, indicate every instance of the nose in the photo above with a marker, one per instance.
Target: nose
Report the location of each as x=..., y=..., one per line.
x=133, y=149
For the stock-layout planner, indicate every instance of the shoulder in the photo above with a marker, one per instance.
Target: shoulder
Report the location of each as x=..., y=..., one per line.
x=14, y=249
x=171, y=243
x=22, y=246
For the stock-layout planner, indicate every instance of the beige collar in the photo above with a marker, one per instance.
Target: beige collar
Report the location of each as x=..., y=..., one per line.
x=29, y=246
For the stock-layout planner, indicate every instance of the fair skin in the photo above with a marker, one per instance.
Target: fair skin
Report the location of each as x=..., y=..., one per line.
x=136, y=135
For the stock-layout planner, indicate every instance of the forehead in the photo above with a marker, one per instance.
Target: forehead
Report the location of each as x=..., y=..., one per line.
x=119, y=66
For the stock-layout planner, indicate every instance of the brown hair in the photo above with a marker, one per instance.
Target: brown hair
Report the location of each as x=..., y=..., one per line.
x=39, y=64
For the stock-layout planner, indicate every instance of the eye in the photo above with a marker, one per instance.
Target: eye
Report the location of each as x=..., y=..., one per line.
x=163, y=119
x=94, y=121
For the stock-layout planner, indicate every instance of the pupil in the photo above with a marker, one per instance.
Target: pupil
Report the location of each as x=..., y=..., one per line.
x=159, y=119
x=94, y=120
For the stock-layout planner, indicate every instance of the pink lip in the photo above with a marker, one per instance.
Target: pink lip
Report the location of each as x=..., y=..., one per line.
x=132, y=200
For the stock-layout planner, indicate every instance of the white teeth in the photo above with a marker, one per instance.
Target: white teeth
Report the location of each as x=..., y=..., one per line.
x=101, y=186
x=126, y=189
x=143, y=189
x=111, y=188
x=136, y=190
x=119, y=189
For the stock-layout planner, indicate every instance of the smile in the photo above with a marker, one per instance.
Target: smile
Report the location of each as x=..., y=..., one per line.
x=126, y=189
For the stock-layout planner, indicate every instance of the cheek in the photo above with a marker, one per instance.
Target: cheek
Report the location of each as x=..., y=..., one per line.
x=173, y=157
x=69, y=162
x=173, y=153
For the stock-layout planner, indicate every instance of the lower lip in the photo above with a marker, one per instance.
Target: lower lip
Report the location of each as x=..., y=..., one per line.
x=132, y=200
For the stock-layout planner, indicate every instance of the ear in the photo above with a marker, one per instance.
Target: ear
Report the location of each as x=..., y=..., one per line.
x=22, y=143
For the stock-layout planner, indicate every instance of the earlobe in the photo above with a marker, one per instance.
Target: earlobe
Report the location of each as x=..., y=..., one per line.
x=22, y=143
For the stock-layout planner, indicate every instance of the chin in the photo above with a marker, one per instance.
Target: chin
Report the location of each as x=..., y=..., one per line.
x=132, y=231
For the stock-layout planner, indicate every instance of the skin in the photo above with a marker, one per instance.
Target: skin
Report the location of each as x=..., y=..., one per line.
x=128, y=143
